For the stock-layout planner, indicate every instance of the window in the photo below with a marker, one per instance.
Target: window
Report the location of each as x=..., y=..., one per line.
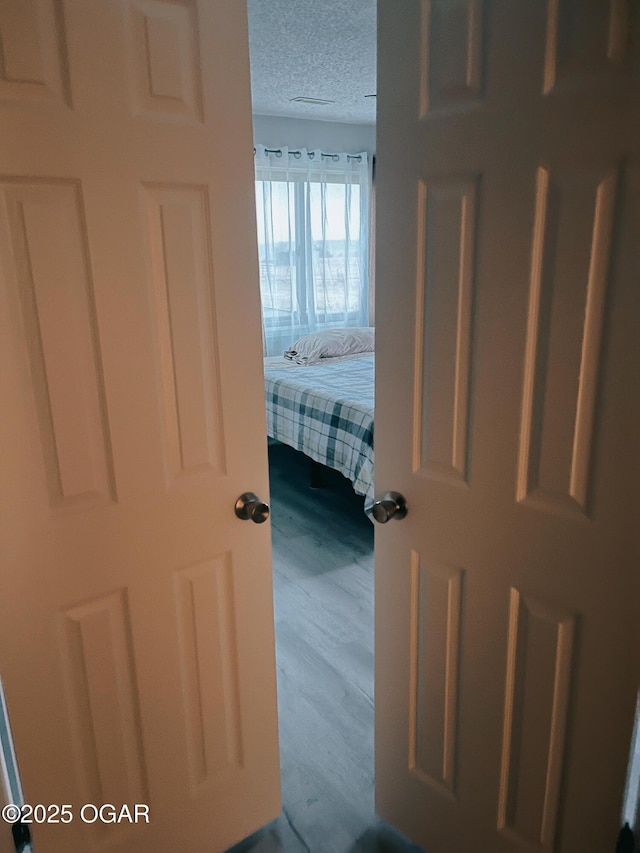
x=313, y=244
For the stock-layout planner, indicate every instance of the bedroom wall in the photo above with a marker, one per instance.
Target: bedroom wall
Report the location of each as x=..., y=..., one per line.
x=274, y=131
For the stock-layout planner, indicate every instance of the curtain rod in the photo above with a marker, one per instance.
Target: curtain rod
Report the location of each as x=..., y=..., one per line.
x=310, y=154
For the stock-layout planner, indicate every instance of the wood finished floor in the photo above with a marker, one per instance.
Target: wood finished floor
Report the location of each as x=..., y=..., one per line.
x=323, y=595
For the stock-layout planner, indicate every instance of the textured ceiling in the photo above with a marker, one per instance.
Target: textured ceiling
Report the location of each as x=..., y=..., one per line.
x=313, y=49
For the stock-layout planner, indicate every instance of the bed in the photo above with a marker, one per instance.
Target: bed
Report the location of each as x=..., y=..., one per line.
x=325, y=410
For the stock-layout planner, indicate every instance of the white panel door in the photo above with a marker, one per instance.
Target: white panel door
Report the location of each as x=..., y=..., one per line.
x=508, y=188
x=136, y=630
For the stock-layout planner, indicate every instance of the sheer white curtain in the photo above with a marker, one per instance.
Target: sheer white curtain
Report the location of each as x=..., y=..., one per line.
x=313, y=242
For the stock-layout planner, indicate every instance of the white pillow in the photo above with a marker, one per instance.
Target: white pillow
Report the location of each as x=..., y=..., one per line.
x=331, y=343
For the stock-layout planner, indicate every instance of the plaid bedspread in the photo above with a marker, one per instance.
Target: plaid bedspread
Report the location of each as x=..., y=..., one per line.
x=326, y=411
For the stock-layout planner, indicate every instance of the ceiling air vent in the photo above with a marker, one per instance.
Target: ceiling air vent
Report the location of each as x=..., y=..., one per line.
x=316, y=101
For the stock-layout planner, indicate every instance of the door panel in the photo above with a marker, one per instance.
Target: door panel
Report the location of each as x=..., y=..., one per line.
x=436, y=600
x=571, y=238
x=180, y=260
x=34, y=54
x=137, y=626
x=447, y=212
x=507, y=209
x=47, y=232
x=538, y=680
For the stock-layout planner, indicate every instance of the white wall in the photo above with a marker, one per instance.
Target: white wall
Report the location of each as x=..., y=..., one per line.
x=274, y=131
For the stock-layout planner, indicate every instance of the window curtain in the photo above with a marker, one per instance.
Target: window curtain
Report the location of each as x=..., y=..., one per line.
x=313, y=242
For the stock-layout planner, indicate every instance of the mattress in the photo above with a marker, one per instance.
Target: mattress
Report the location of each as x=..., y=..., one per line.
x=326, y=411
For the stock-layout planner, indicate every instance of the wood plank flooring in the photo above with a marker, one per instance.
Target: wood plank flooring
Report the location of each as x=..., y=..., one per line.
x=323, y=595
